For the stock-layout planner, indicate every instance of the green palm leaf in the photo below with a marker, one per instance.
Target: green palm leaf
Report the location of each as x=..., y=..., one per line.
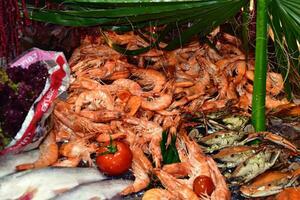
x=125, y=15
x=284, y=19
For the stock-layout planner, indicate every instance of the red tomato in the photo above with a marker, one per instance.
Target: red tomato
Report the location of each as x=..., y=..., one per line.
x=203, y=185
x=114, y=159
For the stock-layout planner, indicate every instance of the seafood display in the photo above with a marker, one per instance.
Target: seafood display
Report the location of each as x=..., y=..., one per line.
x=9, y=162
x=45, y=183
x=258, y=169
x=160, y=114
x=107, y=189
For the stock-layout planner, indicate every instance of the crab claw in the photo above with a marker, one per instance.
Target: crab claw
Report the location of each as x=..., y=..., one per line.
x=277, y=139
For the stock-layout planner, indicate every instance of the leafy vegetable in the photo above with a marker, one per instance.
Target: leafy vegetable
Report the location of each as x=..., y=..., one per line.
x=19, y=88
x=169, y=153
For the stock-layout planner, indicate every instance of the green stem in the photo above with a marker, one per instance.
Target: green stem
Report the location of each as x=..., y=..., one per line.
x=259, y=90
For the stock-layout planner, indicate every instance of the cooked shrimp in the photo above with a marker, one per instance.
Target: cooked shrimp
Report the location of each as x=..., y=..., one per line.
x=182, y=150
x=67, y=162
x=182, y=76
x=96, y=99
x=154, y=148
x=80, y=124
x=171, y=121
x=150, y=78
x=240, y=68
x=158, y=119
x=151, y=132
x=85, y=83
x=158, y=103
x=228, y=49
x=174, y=186
x=250, y=75
x=107, y=137
x=48, y=154
x=197, y=159
x=195, y=104
x=133, y=105
x=123, y=95
x=225, y=62
x=158, y=194
x=141, y=167
x=211, y=68
x=118, y=75
x=133, y=87
x=79, y=148
x=178, y=170
x=231, y=92
x=214, y=105
x=193, y=92
x=245, y=101
x=212, y=53
x=100, y=71
x=86, y=65
x=291, y=193
x=167, y=112
x=183, y=84
x=100, y=50
x=141, y=179
x=192, y=67
x=128, y=37
x=221, y=191
x=274, y=103
x=179, y=103
x=101, y=115
x=274, y=83
x=62, y=135
x=200, y=86
x=231, y=39
x=222, y=84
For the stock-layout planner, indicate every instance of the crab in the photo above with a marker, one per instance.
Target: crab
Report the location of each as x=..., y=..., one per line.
x=292, y=193
x=231, y=157
x=255, y=165
x=225, y=138
x=270, y=183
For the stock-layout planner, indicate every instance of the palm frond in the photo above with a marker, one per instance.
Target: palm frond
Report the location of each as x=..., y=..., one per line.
x=203, y=15
x=284, y=19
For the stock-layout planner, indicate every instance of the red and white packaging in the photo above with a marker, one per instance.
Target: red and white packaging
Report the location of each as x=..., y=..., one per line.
x=33, y=129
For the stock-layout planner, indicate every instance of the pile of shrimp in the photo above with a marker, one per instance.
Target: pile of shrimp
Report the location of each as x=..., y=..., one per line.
x=136, y=98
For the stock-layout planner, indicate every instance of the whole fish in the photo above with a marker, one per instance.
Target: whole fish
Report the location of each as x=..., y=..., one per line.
x=45, y=183
x=102, y=190
x=9, y=162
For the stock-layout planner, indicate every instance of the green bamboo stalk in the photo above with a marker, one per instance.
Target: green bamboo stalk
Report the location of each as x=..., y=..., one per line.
x=259, y=90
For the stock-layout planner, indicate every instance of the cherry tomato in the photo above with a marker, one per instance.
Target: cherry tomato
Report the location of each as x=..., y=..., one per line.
x=115, y=158
x=203, y=185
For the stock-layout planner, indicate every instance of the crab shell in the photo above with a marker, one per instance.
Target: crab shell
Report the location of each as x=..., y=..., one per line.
x=233, y=156
x=221, y=139
x=289, y=194
x=270, y=183
x=256, y=165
